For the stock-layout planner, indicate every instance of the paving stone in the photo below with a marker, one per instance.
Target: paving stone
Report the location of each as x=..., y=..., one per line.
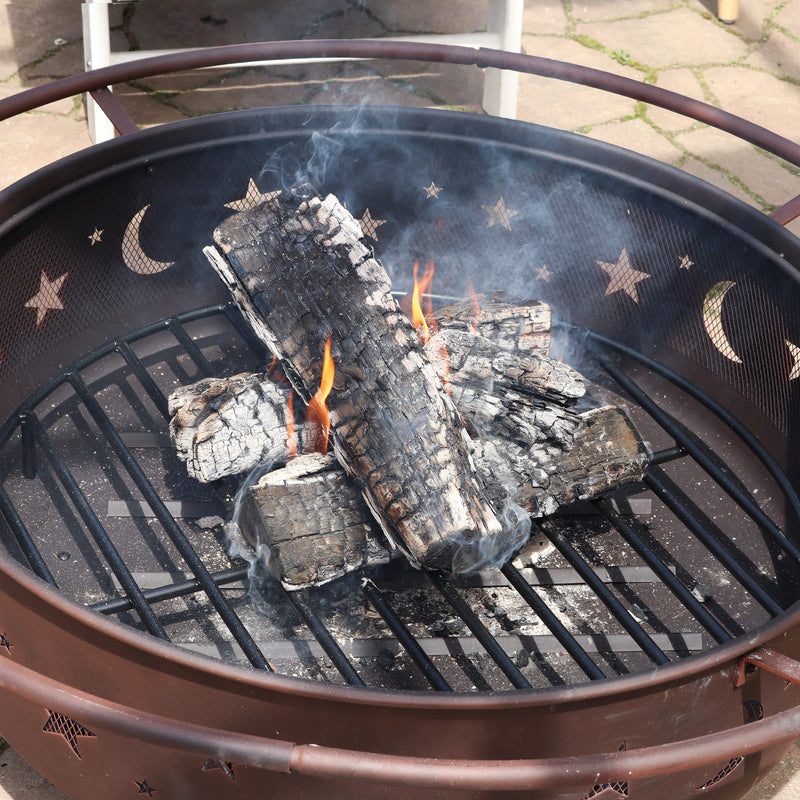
x=637, y=135
x=715, y=178
x=37, y=139
x=752, y=15
x=144, y=109
x=763, y=175
x=788, y=17
x=366, y=88
x=672, y=38
x=29, y=29
x=60, y=62
x=778, y=55
x=760, y=98
x=612, y=9
x=455, y=16
x=548, y=18
x=18, y=781
x=567, y=105
x=684, y=82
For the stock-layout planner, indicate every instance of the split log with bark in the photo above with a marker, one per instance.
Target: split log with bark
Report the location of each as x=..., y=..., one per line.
x=301, y=270
x=317, y=526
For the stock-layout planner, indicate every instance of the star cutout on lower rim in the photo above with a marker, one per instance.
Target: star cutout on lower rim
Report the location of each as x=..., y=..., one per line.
x=369, y=225
x=432, y=190
x=543, y=273
x=145, y=787
x=686, y=262
x=66, y=727
x=95, y=237
x=253, y=196
x=623, y=276
x=47, y=299
x=4, y=642
x=500, y=214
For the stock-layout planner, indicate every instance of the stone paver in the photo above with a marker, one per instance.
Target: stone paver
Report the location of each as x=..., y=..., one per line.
x=751, y=68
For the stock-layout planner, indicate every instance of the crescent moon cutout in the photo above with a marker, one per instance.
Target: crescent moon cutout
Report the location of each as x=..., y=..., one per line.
x=795, y=351
x=133, y=255
x=712, y=319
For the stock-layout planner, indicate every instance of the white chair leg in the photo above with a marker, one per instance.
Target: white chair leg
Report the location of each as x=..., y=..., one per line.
x=500, y=87
x=728, y=10
x=96, y=54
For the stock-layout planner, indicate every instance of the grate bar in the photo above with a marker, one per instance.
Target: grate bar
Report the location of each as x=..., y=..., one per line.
x=326, y=641
x=194, y=562
x=24, y=539
x=143, y=376
x=171, y=590
x=673, y=503
x=621, y=614
x=407, y=640
x=554, y=624
x=488, y=642
x=97, y=531
x=665, y=574
x=186, y=341
x=667, y=422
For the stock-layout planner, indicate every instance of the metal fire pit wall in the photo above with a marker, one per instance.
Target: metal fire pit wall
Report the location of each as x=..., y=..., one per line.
x=110, y=240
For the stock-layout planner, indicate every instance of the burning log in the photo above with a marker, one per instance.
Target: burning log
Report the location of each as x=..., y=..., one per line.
x=224, y=426
x=303, y=269
x=520, y=394
x=317, y=526
x=512, y=325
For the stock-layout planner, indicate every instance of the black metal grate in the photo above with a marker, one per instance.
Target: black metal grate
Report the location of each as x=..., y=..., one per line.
x=96, y=504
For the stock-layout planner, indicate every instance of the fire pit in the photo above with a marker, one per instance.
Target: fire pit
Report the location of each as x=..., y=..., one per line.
x=641, y=644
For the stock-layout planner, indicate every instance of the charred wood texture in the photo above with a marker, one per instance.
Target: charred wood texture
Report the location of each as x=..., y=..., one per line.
x=317, y=526
x=512, y=325
x=314, y=521
x=301, y=272
x=224, y=426
x=514, y=393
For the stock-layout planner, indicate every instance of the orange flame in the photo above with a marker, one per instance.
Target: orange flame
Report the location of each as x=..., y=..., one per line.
x=421, y=287
x=317, y=415
x=291, y=439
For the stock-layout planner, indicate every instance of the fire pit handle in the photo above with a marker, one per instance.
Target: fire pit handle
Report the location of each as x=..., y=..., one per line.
x=97, y=80
x=322, y=762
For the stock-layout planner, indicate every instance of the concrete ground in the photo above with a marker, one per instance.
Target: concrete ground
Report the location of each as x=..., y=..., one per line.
x=750, y=68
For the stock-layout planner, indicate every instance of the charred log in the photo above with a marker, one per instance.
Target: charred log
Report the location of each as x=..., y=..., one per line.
x=517, y=394
x=317, y=526
x=314, y=521
x=302, y=272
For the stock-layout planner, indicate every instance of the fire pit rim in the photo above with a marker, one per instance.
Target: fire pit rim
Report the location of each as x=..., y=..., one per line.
x=192, y=134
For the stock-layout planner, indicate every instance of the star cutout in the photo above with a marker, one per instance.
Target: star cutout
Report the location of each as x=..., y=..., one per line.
x=95, y=237
x=225, y=766
x=623, y=276
x=686, y=263
x=253, y=196
x=68, y=728
x=47, y=299
x=432, y=190
x=795, y=370
x=500, y=214
x=5, y=643
x=543, y=273
x=369, y=226
x=145, y=788
x=610, y=789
